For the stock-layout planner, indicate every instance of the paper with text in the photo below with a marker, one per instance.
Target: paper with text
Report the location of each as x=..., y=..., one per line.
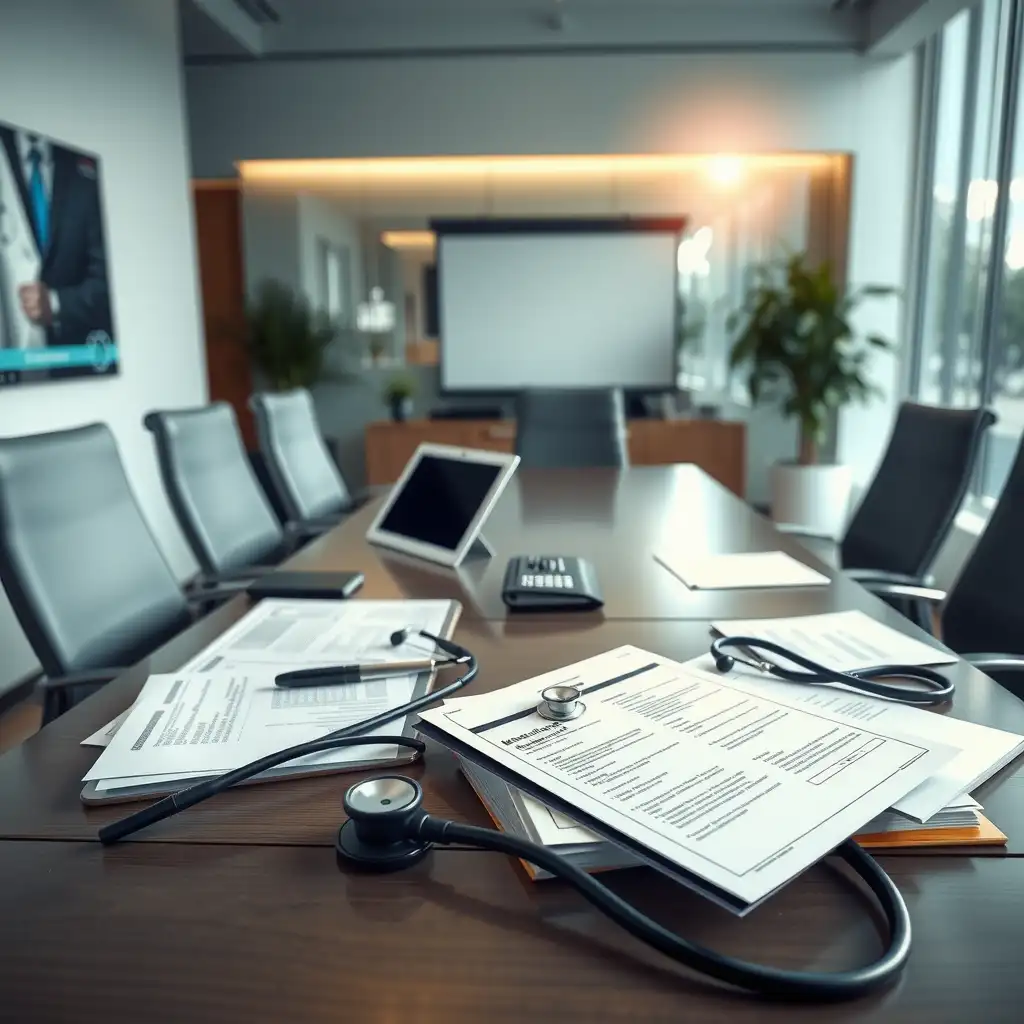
x=839, y=640
x=743, y=790
x=183, y=725
x=983, y=750
x=300, y=633
x=756, y=569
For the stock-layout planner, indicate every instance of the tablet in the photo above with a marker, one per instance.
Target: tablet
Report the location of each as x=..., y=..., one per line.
x=441, y=501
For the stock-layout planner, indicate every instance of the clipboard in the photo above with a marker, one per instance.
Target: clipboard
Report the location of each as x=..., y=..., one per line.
x=91, y=796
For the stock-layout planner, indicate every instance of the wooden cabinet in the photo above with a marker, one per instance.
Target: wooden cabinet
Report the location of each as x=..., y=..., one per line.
x=718, y=447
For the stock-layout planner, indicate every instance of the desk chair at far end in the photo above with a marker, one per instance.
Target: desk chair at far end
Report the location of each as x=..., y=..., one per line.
x=306, y=481
x=89, y=586
x=562, y=429
x=982, y=616
x=907, y=513
x=222, y=509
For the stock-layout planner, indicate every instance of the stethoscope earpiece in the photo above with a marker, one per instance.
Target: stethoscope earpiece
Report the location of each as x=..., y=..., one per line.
x=383, y=818
x=724, y=663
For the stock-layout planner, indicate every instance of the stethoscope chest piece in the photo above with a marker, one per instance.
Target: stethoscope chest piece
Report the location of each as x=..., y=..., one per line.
x=561, y=703
x=376, y=835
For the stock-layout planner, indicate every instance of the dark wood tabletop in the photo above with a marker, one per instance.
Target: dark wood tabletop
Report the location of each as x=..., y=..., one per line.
x=172, y=934
x=616, y=519
x=236, y=909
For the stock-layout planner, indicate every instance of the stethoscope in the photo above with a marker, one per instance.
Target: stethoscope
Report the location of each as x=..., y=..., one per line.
x=387, y=828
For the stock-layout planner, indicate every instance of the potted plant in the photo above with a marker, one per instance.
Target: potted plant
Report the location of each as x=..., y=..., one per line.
x=287, y=340
x=798, y=348
x=398, y=394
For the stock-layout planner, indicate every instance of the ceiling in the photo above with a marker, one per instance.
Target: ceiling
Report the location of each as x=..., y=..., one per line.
x=309, y=28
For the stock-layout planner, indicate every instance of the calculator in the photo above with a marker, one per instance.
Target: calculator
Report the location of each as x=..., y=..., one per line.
x=550, y=583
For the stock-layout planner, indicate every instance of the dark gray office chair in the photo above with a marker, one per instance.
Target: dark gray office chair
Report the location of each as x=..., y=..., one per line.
x=984, y=609
x=87, y=581
x=307, y=482
x=220, y=506
x=917, y=491
x=558, y=429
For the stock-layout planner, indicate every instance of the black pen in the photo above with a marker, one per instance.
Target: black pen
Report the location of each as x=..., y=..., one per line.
x=336, y=675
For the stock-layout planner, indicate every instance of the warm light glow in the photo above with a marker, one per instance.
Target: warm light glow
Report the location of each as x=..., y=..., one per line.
x=692, y=258
x=408, y=239
x=725, y=170
x=448, y=170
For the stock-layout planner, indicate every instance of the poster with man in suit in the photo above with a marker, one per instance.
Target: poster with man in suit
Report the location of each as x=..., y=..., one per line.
x=54, y=283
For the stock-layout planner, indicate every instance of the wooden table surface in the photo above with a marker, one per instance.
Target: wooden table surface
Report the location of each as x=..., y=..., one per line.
x=237, y=910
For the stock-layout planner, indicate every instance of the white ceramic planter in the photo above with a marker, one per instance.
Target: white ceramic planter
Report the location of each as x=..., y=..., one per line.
x=814, y=498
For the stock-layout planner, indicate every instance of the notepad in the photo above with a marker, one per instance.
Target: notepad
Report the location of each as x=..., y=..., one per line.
x=748, y=571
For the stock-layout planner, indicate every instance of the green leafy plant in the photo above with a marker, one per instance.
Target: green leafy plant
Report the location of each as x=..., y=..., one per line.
x=399, y=388
x=797, y=346
x=287, y=340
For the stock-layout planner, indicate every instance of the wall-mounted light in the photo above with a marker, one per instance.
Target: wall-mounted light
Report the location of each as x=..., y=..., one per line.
x=725, y=170
x=408, y=239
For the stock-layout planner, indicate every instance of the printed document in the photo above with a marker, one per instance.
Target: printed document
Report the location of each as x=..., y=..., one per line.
x=743, y=790
x=983, y=750
x=280, y=634
x=185, y=725
x=756, y=569
x=840, y=640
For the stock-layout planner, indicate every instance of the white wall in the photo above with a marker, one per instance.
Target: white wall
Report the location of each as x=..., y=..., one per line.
x=687, y=103
x=322, y=221
x=105, y=76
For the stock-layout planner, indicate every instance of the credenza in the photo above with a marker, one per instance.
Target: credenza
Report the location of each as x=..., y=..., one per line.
x=717, y=446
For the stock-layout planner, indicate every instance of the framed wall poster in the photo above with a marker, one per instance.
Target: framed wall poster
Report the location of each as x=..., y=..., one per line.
x=56, y=316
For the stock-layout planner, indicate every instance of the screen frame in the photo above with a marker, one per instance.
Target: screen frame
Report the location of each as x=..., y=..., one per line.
x=506, y=464
x=668, y=225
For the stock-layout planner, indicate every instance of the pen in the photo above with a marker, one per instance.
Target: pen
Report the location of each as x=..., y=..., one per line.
x=335, y=675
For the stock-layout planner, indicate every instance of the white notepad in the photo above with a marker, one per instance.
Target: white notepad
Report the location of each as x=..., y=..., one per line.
x=752, y=570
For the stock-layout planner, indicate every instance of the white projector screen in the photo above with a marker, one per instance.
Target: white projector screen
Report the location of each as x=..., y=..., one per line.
x=561, y=310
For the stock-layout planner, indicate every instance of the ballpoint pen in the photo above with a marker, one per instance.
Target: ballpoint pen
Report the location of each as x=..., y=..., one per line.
x=334, y=675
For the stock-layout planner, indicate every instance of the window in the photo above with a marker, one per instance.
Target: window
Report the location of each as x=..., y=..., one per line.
x=969, y=322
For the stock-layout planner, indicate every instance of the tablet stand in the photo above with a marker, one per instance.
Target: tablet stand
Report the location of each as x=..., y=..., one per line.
x=479, y=549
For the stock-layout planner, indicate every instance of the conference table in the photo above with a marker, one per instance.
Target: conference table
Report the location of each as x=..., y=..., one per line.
x=238, y=910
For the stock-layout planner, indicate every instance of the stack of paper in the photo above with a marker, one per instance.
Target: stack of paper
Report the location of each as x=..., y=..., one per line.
x=732, y=784
x=222, y=710
x=520, y=814
x=727, y=790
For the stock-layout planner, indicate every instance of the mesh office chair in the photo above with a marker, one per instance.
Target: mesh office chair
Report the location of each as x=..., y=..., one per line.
x=219, y=504
x=984, y=610
x=87, y=581
x=558, y=429
x=301, y=470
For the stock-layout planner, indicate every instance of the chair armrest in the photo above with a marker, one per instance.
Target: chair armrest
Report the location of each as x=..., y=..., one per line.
x=795, y=530
x=215, y=593
x=917, y=593
x=93, y=677
x=995, y=662
x=879, y=576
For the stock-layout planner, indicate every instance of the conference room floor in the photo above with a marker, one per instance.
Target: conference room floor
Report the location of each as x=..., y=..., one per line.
x=237, y=909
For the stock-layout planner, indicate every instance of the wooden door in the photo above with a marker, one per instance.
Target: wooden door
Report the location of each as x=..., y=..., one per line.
x=218, y=213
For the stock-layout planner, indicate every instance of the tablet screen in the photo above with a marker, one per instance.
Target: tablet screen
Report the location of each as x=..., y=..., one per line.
x=439, y=500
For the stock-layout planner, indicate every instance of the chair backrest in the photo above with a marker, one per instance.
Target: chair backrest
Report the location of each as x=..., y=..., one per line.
x=213, y=490
x=81, y=568
x=558, y=429
x=298, y=463
x=916, y=493
x=984, y=612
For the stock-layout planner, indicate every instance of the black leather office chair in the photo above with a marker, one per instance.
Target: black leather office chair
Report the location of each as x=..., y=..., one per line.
x=558, y=429
x=87, y=581
x=307, y=482
x=984, y=609
x=220, y=506
x=908, y=510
